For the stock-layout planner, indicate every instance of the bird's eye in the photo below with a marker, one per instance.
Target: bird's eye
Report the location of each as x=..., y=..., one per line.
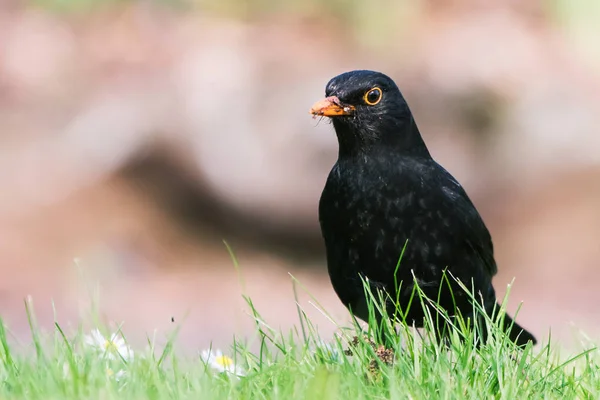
x=373, y=96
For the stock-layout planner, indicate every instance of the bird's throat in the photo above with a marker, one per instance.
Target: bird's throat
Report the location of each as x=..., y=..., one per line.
x=356, y=141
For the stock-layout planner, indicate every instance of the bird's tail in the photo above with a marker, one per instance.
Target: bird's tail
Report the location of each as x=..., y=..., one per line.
x=519, y=335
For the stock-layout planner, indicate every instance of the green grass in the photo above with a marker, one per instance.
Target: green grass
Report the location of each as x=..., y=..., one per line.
x=297, y=365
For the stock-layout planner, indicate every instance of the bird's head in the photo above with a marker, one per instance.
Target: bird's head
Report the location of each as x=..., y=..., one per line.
x=367, y=109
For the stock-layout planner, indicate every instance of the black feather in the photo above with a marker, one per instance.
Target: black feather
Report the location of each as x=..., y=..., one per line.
x=384, y=192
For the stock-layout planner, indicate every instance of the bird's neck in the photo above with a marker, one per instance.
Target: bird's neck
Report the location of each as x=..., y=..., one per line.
x=403, y=139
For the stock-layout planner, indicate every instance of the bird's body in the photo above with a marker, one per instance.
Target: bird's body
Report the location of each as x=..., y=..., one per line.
x=386, y=197
x=373, y=208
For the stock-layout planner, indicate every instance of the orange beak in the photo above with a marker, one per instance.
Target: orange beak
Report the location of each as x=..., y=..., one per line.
x=331, y=107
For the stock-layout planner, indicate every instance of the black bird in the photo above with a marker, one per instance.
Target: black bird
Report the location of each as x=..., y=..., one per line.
x=386, y=195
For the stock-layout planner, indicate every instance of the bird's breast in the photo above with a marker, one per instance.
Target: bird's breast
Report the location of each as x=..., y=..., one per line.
x=370, y=218
x=361, y=222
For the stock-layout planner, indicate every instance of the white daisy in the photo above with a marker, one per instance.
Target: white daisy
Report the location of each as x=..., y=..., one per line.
x=113, y=348
x=220, y=362
x=66, y=369
x=116, y=376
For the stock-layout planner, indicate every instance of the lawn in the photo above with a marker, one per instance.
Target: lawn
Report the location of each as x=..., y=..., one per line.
x=99, y=364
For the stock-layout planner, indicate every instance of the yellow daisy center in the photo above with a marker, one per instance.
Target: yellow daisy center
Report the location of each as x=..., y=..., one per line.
x=224, y=361
x=110, y=346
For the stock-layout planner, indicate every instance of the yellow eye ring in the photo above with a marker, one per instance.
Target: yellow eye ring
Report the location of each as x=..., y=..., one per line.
x=373, y=96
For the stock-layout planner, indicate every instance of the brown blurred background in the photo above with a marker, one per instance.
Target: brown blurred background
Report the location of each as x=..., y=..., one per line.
x=136, y=136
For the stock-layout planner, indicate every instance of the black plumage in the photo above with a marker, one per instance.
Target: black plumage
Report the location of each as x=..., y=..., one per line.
x=386, y=194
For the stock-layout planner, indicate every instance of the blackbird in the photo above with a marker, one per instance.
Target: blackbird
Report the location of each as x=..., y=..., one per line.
x=386, y=197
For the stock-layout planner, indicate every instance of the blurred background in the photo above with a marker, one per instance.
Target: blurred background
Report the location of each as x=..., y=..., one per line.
x=137, y=136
